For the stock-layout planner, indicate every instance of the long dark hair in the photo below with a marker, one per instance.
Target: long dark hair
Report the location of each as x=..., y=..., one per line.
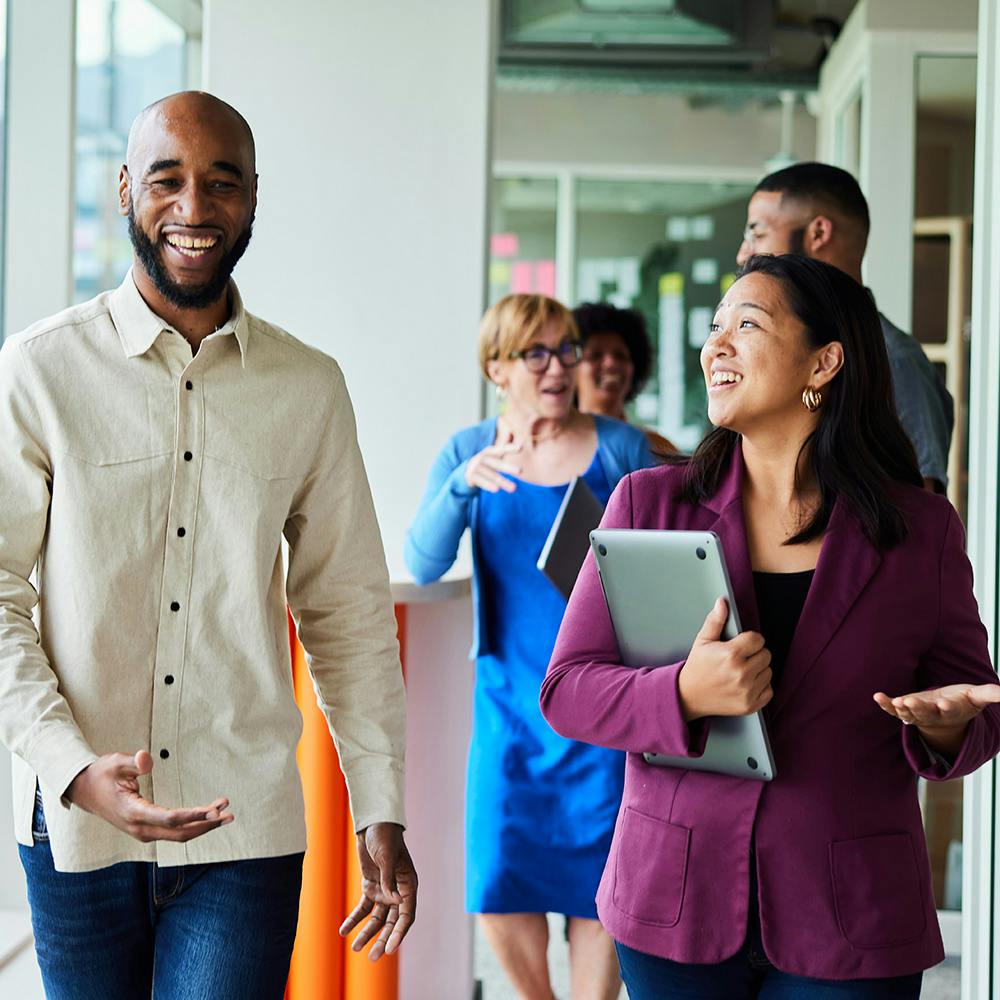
x=859, y=446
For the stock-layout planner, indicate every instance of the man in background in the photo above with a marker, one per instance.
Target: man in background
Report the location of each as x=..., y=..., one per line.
x=819, y=211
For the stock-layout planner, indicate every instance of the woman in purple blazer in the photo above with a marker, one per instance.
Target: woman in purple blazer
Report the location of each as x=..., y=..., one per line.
x=864, y=649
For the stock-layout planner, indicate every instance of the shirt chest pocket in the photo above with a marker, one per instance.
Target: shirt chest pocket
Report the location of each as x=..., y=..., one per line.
x=107, y=432
x=256, y=458
x=255, y=441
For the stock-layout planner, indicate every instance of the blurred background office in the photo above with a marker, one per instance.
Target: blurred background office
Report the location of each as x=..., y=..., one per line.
x=419, y=161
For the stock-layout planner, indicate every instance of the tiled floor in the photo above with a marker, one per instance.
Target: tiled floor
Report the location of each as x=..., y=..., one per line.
x=942, y=983
x=21, y=978
x=18, y=970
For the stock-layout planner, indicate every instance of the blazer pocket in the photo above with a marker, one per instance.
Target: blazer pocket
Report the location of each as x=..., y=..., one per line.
x=878, y=891
x=651, y=859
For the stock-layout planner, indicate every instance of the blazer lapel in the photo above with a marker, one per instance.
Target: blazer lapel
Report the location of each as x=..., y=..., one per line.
x=847, y=561
x=730, y=526
x=731, y=529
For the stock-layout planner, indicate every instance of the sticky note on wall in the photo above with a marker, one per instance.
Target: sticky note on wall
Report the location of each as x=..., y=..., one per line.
x=504, y=245
x=545, y=278
x=705, y=271
x=699, y=321
x=522, y=276
x=702, y=227
x=499, y=272
x=671, y=284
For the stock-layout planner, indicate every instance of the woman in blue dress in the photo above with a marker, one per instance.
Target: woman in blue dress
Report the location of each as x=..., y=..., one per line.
x=540, y=809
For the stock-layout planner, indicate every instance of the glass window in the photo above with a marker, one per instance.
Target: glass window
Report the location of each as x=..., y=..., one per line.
x=667, y=249
x=523, y=241
x=129, y=54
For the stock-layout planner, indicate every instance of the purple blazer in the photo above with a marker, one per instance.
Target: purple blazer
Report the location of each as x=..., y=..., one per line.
x=842, y=866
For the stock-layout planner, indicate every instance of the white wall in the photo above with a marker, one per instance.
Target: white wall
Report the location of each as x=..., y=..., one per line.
x=38, y=265
x=372, y=129
x=655, y=131
x=372, y=134
x=38, y=238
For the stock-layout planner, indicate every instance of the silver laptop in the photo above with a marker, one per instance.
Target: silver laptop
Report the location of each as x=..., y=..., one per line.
x=660, y=586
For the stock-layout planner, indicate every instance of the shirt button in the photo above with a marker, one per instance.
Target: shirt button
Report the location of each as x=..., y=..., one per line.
x=174, y=606
x=181, y=532
x=189, y=385
x=188, y=456
x=164, y=754
x=169, y=679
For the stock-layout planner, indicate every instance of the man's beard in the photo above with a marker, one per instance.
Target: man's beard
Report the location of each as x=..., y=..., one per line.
x=797, y=241
x=150, y=257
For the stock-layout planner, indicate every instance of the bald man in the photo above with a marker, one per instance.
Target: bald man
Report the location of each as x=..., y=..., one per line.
x=818, y=210
x=159, y=442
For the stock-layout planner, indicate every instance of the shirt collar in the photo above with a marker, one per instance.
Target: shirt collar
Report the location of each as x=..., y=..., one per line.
x=138, y=326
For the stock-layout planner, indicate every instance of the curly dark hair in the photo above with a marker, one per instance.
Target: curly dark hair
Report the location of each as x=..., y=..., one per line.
x=602, y=317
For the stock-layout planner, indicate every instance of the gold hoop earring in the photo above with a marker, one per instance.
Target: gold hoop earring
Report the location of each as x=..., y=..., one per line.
x=812, y=399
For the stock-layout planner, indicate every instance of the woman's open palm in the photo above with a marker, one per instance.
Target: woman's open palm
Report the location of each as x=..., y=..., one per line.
x=941, y=707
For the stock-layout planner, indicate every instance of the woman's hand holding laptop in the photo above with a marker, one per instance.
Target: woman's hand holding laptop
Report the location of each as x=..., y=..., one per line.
x=723, y=677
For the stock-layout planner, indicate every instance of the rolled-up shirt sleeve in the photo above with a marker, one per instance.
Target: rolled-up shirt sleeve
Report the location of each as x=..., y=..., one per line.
x=338, y=592
x=36, y=722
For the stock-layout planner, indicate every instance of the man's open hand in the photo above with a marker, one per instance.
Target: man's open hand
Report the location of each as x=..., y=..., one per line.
x=388, y=890
x=109, y=788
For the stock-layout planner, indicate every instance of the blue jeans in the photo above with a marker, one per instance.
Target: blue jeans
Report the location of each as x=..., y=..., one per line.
x=135, y=929
x=748, y=974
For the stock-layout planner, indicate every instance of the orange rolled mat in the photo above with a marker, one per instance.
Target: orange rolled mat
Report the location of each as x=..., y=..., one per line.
x=323, y=967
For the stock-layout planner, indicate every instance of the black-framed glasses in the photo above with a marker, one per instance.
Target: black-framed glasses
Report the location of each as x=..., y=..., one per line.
x=538, y=357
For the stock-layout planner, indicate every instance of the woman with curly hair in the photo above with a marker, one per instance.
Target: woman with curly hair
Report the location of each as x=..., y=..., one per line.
x=617, y=361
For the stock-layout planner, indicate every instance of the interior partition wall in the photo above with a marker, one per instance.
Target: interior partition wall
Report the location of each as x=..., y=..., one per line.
x=372, y=124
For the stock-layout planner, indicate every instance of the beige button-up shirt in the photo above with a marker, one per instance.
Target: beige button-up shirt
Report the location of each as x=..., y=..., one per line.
x=149, y=490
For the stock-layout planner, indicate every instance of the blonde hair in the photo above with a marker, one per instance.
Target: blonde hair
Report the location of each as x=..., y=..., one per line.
x=512, y=323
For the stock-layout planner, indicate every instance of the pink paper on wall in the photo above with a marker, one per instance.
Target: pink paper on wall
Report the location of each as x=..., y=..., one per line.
x=522, y=276
x=545, y=278
x=504, y=245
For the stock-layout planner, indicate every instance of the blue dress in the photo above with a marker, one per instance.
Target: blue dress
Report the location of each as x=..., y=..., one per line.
x=540, y=808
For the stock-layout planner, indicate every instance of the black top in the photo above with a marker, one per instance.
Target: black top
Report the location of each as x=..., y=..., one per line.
x=780, y=599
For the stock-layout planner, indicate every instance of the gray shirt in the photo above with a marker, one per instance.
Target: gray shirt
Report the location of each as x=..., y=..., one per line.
x=923, y=404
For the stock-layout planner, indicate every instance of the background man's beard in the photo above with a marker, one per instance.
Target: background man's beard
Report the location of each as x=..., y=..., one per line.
x=797, y=241
x=185, y=296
